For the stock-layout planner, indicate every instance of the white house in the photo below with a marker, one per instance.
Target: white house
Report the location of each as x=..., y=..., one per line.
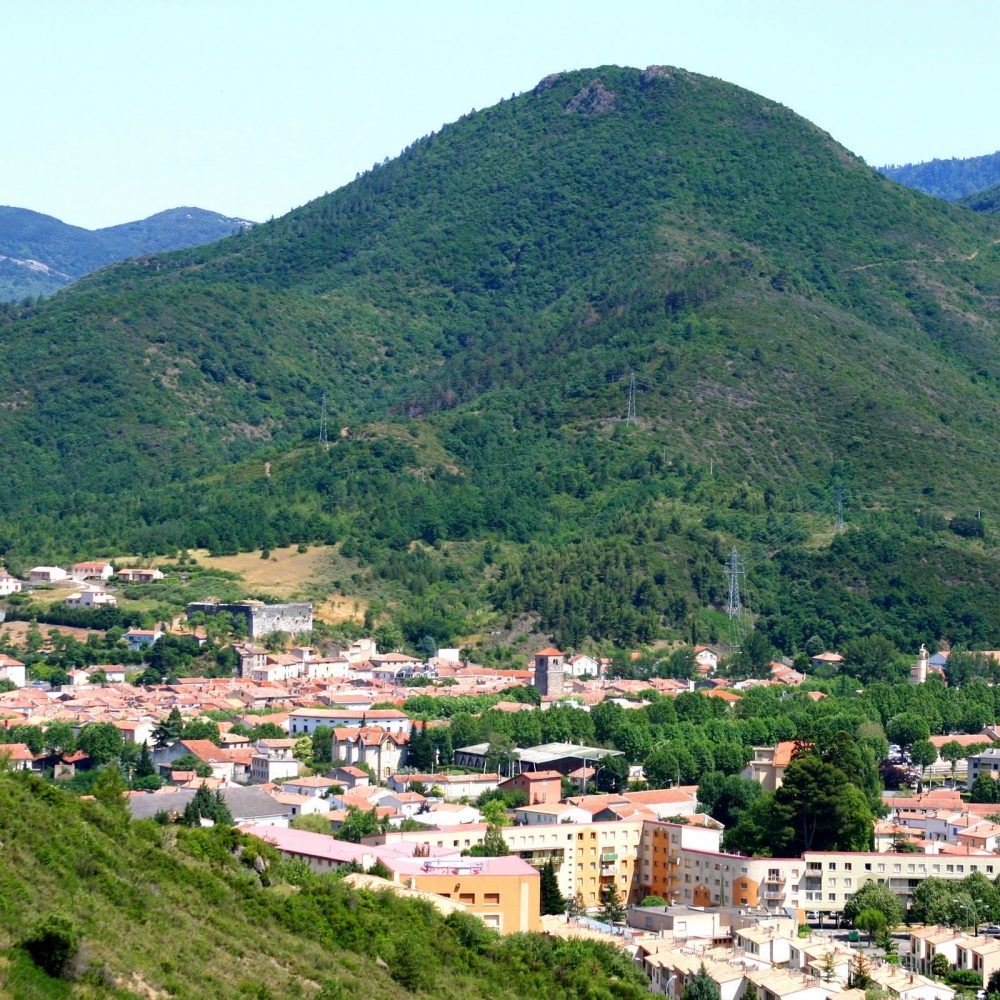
x=91, y=599
x=13, y=670
x=137, y=575
x=142, y=638
x=582, y=665
x=46, y=574
x=273, y=760
x=93, y=571
x=706, y=659
x=551, y=812
x=8, y=584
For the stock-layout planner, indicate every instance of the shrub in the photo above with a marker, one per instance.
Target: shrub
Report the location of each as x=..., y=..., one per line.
x=53, y=944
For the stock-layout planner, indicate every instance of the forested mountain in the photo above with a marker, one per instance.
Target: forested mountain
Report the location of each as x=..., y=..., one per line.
x=472, y=311
x=39, y=254
x=951, y=179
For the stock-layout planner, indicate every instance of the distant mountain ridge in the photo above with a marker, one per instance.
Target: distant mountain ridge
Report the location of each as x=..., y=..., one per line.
x=40, y=254
x=952, y=179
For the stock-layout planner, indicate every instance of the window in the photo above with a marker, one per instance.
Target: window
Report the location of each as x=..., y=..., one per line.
x=832, y=866
x=467, y=897
x=492, y=899
x=847, y=866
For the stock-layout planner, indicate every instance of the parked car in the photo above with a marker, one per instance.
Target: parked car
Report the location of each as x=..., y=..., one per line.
x=992, y=929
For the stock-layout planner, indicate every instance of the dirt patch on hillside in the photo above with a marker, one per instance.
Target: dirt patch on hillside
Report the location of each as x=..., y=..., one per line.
x=337, y=609
x=18, y=632
x=284, y=573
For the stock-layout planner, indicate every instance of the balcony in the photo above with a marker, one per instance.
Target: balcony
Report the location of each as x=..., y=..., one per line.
x=776, y=876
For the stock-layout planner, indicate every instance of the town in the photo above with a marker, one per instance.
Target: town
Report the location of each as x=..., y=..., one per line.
x=564, y=815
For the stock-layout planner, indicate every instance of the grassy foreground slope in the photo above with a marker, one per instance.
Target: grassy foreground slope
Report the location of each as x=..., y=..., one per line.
x=165, y=911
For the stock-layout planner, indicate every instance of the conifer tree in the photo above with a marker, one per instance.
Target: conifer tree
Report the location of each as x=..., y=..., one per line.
x=144, y=764
x=552, y=900
x=612, y=907
x=169, y=730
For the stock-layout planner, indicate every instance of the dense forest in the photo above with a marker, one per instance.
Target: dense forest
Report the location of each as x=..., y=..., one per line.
x=467, y=319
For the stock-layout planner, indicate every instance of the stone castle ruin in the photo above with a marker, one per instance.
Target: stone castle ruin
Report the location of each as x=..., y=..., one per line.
x=261, y=619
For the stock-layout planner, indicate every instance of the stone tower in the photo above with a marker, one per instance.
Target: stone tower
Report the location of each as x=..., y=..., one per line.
x=918, y=672
x=549, y=671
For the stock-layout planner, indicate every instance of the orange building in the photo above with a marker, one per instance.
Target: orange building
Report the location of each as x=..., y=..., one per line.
x=503, y=892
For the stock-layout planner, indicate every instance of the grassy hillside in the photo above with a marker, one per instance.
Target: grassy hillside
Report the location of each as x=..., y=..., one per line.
x=166, y=911
x=68, y=252
x=473, y=310
x=952, y=179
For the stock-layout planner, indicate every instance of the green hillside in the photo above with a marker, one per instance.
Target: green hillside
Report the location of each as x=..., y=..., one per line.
x=65, y=253
x=168, y=911
x=472, y=311
x=983, y=201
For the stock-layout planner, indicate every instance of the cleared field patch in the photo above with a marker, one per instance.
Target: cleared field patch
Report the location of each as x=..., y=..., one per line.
x=18, y=632
x=285, y=573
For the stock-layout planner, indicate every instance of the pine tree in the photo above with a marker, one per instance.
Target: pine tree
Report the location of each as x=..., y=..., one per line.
x=701, y=986
x=553, y=901
x=612, y=907
x=169, y=730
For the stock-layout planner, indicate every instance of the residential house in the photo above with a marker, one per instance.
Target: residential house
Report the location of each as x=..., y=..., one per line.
x=17, y=756
x=92, y=571
x=768, y=765
x=452, y=786
x=384, y=752
x=142, y=638
x=13, y=670
x=539, y=786
x=350, y=777
x=316, y=786
x=8, y=584
x=206, y=751
x=582, y=665
x=46, y=574
x=273, y=760
x=140, y=575
x=706, y=659
x=984, y=762
x=91, y=599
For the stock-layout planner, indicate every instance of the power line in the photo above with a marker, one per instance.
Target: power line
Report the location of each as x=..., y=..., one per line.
x=734, y=603
x=630, y=418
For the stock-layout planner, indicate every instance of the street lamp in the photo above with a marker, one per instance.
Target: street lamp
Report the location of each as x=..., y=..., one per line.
x=971, y=906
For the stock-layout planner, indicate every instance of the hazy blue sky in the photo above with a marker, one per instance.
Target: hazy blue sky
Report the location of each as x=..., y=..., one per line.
x=116, y=109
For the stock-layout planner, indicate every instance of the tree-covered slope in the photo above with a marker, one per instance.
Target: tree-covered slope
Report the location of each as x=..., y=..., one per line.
x=473, y=310
x=951, y=179
x=40, y=254
x=983, y=201
x=168, y=911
